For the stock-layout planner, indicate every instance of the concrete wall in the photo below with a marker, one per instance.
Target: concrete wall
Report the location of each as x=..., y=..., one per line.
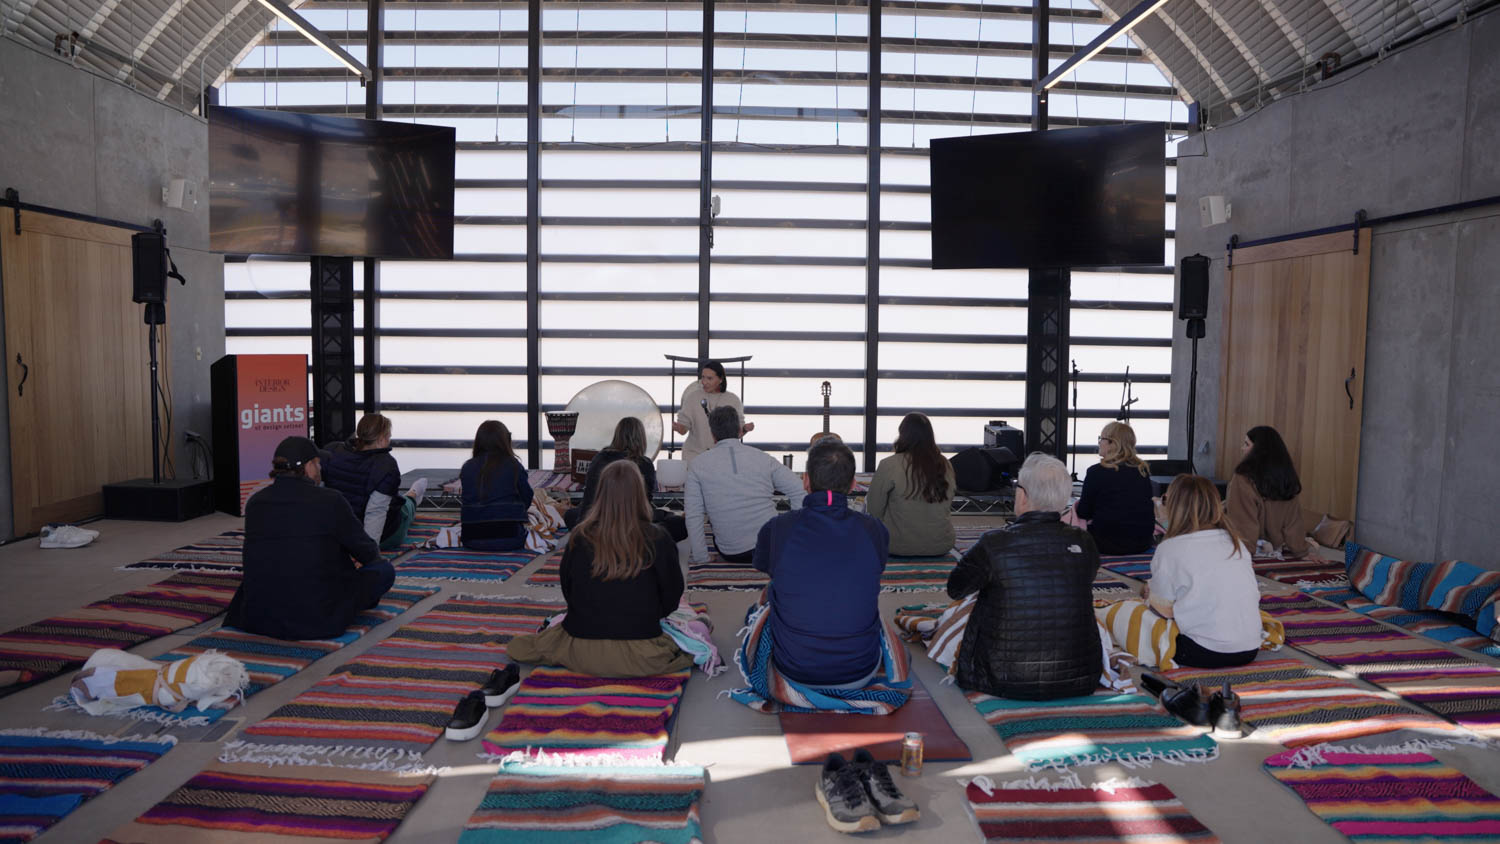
x=1417, y=130
x=74, y=141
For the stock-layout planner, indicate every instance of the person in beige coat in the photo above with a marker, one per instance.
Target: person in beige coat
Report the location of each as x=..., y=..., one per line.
x=912, y=492
x=1262, y=500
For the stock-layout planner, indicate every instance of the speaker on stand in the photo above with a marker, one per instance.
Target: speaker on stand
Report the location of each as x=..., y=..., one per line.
x=1192, y=306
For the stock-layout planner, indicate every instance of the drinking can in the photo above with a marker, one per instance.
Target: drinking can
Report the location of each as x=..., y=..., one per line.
x=911, y=755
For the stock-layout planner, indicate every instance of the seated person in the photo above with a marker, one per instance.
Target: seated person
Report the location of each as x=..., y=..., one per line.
x=730, y=485
x=816, y=641
x=1201, y=577
x=912, y=492
x=299, y=581
x=1031, y=634
x=620, y=577
x=1116, y=499
x=367, y=475
x=496, y=492
x=629, y=443
x=1263, y=494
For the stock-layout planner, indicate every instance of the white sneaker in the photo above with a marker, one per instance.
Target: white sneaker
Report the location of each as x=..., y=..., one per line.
x=67, y=536
x=418, y=490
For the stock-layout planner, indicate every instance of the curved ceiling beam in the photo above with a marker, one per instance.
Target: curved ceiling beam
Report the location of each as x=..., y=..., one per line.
x=209, y=39
x=1287, y=29
x=15, y=16
x=149, y=39
x=1234, y=38
x=1198, y=56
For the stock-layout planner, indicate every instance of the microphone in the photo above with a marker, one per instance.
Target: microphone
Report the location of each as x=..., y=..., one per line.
x=704, y=402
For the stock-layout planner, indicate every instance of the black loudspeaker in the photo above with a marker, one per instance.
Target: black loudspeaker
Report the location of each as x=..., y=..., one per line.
x=150, y=261
x=169, y=501
x=1192, y=288
x=984, y=469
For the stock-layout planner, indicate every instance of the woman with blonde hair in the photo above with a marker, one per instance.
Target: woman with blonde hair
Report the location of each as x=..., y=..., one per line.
x=1116, y=498
x=620, y=577
x=364, y=471
x=1201, y=578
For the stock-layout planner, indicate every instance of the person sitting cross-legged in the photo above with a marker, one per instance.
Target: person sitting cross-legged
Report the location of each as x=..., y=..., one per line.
x=731, y=486
x=1031, y=633
x=815, y=641
x=620, y=577
x=299, y=579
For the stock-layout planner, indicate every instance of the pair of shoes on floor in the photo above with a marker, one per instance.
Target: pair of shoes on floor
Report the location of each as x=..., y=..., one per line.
x=67, y=536
x=470, y=714
x=1220, y=710
x=859, y=795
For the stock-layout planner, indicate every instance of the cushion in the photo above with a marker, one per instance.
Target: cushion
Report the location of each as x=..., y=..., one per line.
x=1386, y=580
x=1487, y=618
x=1459, y=587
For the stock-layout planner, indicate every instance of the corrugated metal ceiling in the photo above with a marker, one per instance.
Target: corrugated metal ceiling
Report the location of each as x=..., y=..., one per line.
x=1227, y=55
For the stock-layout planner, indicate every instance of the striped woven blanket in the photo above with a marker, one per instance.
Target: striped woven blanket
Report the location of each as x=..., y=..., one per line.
x=569, y=714
x=224, y=552
x=1037, y=810
x=1092, y=730
x=462, y=564
x=269, y=661
x=229, y=804
x=1297, y=704
x=1418, y=669
x=392, y=702
x=44, y=775
x=1391, y=794
x=35, y=652
x=544, y=804
x=1137, y=566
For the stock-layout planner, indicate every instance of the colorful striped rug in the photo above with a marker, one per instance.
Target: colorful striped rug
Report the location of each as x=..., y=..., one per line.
x=1137, y=566
x=44, y=775
x=1092, y=730
x=1302, y=570
x=1033, y=810
x=269, y=661
x=917, y=574
x=426, y=524
x=35, y=652
x=396, y=698
x=1388, y=794
x=216, y=553
x=562, y=712
x=1296, y=704
x=278, y=805
x=966, y=536
x=462, y=564
x=549, y=573
x=560, y=805
x=1429, y=623
x=1418, y=669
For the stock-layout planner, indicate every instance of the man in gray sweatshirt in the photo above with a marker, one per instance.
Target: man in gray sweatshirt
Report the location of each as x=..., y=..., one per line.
x=732, y=485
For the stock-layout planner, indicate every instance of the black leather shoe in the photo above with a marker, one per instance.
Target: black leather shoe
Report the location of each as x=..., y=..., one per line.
x=1187, y=703
x=501, y=685
x=468, y=717
x=1155, y=684
x=1224, y=713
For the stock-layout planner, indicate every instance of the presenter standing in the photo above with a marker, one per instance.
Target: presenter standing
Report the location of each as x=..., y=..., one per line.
x=700, y=398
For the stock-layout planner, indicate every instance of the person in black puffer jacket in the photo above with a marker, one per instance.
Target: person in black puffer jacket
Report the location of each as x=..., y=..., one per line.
x=1031, y=635
x=364, y=471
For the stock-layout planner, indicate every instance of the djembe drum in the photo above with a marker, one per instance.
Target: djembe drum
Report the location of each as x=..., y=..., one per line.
x=561, y=424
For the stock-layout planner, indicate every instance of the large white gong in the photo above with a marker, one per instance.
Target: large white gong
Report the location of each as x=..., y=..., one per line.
x=601, y=406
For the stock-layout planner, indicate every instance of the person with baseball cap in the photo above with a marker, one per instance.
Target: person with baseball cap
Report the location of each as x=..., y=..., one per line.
x=309, y=566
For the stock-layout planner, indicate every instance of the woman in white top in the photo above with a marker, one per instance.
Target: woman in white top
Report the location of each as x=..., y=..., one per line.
x=701, y=397
x=1201, y=577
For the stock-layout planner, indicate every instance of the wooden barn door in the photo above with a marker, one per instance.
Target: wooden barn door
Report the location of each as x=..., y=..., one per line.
x=78, y=371
x=1294, y=358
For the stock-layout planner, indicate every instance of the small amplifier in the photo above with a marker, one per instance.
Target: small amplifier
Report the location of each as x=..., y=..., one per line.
x=168, y=501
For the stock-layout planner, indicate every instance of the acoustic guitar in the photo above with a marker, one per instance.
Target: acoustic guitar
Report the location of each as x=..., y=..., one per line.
x=827, y=390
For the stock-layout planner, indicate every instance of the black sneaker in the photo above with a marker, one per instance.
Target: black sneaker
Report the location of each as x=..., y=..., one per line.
x=1155, y=684
x=1187, y=703
x=468, y=717
x=1224, y=714
x=891, y=806
x=501, y=685
x=843, y=798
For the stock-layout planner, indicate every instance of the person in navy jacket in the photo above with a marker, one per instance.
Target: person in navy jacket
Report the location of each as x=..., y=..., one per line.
x=496, y=492
x=825, y=562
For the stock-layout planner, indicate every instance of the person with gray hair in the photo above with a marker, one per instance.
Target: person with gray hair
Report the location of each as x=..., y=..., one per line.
x=731, y=486
x=1031, y=632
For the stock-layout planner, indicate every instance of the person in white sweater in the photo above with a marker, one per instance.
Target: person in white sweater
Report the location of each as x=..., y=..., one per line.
x=1202, y=578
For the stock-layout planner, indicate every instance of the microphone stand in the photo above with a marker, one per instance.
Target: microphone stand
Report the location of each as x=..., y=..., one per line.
x=1125, y=399
x=1074, y=470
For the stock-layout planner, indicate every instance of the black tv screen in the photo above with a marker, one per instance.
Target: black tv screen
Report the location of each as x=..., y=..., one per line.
x=282, y=183
x=1089, y=197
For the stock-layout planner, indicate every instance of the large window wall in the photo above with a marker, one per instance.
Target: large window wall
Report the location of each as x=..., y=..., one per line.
x=619, y=282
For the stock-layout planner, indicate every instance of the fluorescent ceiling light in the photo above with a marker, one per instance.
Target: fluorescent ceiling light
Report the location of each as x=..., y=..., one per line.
x=1120, y=27
x=316, y=36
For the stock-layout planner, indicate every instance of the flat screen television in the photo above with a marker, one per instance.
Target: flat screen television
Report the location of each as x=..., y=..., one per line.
x=283, y=183
x=1087, y=197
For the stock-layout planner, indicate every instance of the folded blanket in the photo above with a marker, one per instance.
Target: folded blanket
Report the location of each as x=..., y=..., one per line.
x=113, y=681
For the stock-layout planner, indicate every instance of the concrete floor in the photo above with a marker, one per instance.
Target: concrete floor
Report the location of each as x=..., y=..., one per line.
x=754, y=793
